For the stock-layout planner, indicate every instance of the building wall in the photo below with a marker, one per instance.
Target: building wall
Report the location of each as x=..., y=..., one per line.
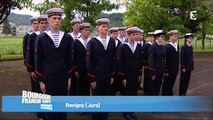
x=22, y=29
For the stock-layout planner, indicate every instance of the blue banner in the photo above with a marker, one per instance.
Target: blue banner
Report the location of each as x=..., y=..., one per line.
x=108, y=104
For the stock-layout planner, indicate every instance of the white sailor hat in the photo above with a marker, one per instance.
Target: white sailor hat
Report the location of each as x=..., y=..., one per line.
x=188, y=35
x=113, y=29
x=84, y=25
x=102, y=21
x=158, y=32
x=42, y=17
x=171, y=32
x=150, y=33
x=75, y=21
x=33, y=19
x=132, y=30
x=122, y=28
x=55, y=11
x=141, y=31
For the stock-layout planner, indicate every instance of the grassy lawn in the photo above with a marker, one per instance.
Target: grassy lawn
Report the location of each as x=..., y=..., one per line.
x=11, y=47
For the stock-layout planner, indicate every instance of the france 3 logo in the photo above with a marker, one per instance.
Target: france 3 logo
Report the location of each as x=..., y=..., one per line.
x=44, y=100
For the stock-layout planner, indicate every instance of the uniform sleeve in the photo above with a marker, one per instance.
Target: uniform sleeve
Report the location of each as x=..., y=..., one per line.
x=90, y=62
x=24, y=44
x=39, y=59
x=30, y=53
x=121, y=63
x=141, y=58
x=182, y=58
x=151, y=60
x=145, y=55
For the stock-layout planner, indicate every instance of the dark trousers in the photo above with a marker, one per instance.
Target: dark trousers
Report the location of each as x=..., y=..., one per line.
x=131, y=89
x=103, y=88
x=116, y=85
x=35, y=87
x=156, y=85
x=184, y=82
x=83, y=85
x=168, y=84
x=146, y=82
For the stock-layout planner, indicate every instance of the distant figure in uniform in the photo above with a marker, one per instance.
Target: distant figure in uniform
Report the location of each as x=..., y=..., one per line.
x=53, y=64
x=129, y=66
x=187, y=64
x=34, y=25
x=75, y=28
x=122, y=34
x=42, y=21
x=75, y=34
x=147, y=79
x=157, y=61
x=116, y=86
x=172, y=63
x=100, y=63
x=141, y=42
x=79, y=60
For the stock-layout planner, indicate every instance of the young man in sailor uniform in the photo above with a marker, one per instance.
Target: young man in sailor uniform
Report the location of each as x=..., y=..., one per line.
x=79, y=60
x=53, y=64
x=42, y=21
x=122, y=34
x=147, y=80
x=157, y=61
x=187, y=64
x=172, y=63
x=75, y=34
x=101, y=52
x=116, y=86
x=129, y=66
x=34, y=25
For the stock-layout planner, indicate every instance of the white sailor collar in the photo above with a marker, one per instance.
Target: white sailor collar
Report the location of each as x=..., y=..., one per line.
x=107, y=40
x=73, y=36
x=135, y=45
x=174, y=45
x=49, y=33
x=82, y=41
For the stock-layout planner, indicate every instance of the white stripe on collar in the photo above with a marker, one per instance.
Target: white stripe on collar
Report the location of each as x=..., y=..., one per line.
x=135, y=45
x=61, y=34
x=107, y=40
x=174, y=45
x=72, y=35
x=82, y=41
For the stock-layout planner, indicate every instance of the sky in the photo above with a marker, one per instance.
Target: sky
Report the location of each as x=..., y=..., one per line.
x=26, y=11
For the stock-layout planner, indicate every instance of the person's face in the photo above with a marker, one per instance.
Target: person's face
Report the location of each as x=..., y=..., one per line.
x=55, y=21
x=85, y=32
x=75, y=27
x=103, y=29
x=113, y=35
x=151, y=38
x=189, y=40
x=160, y=38
x=43, y=25
x=141, y=36
x=133, y=36
x=173, y=38
x=122, y=33
x=35, y=25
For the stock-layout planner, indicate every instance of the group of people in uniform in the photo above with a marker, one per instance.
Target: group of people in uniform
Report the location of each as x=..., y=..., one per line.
x=111, y=62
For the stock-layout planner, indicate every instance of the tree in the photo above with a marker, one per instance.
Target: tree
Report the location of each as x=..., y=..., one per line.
x=6, y=27
x=87, y=10
x=5, y=8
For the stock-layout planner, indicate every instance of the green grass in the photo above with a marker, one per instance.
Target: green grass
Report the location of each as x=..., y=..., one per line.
x=11, y=47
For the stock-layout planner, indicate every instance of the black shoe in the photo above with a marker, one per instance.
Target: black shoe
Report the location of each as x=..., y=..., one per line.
x=129, y=117
x=134, y=116
x=82, y=113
